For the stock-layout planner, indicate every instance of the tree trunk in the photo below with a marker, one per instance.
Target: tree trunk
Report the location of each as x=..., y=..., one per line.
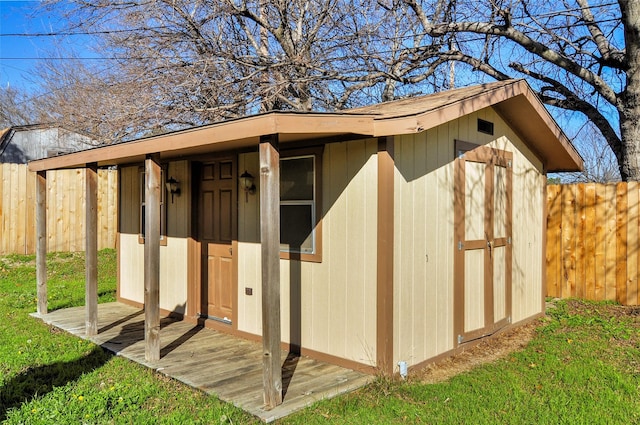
x=629, y=99
x=630, y=131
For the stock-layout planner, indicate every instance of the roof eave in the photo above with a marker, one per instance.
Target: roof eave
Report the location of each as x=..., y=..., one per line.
x=236, y=134
x=517, y=103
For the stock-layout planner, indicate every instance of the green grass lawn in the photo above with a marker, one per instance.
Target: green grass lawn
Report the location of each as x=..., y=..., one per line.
x=582, y=367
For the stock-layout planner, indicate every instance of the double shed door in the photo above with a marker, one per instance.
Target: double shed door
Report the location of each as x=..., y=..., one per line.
x=483, y=251
x=217, y=231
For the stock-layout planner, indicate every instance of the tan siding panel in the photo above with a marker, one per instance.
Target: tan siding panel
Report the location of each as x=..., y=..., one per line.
x=337, y=296
x=424, y=214
x=129, y=200
x=131, y=270
x=178, y=210
x=528, y=185
x=173, y=275
x=423, y=245
x=421, y=310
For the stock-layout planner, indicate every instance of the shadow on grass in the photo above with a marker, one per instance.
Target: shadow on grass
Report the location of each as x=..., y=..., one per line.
x=39, y=380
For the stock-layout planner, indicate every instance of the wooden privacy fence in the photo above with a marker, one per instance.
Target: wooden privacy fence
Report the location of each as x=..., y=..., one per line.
x=593, y=242
x=65, y=209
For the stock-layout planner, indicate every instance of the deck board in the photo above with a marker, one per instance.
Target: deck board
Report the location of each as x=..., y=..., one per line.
x=214, y=362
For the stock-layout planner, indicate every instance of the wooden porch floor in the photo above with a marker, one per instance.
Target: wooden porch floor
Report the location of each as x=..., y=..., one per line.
x=214, y=362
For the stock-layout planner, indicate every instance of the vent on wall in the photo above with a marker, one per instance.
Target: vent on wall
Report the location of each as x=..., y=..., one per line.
x=485, y=126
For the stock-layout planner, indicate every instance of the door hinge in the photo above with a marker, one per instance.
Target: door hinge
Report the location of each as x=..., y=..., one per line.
x=460, y=245
x=509, y=164
x=509, y=240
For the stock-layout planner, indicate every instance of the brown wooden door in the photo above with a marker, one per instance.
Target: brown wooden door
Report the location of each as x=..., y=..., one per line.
x=217, y=231
x=483, y=250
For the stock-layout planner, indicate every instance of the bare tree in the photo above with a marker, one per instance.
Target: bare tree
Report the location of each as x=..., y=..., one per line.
x=219, y=58
x=103, y=102
x=175, y=63
x=600, y=165
x=579, y=55
x=15, y=108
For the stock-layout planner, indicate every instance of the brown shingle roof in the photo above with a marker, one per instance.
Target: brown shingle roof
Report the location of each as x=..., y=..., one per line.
x=513, y=100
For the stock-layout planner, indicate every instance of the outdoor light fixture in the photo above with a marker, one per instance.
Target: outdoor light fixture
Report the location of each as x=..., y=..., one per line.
x=173, y=186
x=246, y=182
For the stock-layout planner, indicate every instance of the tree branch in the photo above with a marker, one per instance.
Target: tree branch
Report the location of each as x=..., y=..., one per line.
x=610, y=55
x=573, y=103
x=506, y=30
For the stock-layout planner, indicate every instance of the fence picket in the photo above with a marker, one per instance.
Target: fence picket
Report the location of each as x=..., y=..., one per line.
x=65, y=209
x=632, y=241
x=590, y=244
x=568, y=242
x=610, y=244
x=600, y=253
x=580, y=257
x=599, y=247
x=621, y=242
x=554, y=233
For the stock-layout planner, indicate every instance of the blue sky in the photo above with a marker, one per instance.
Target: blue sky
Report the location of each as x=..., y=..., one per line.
x=19, y=54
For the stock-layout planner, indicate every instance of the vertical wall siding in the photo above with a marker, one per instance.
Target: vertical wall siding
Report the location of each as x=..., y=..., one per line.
x=249, y=306
x=423, y=272
x=528, y=222
x=173, y=255
x=334, y=302
x=131, y=278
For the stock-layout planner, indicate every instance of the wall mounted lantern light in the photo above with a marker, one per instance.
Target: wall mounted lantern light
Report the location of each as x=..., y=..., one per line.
x=246, y=183
x=173, y=186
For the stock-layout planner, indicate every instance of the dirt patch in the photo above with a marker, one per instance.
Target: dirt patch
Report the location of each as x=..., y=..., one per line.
x=487, y=351
x=603, y=310
x=512, y=340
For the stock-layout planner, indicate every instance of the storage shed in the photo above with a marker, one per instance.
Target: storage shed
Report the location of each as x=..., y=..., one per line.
x=399, y=232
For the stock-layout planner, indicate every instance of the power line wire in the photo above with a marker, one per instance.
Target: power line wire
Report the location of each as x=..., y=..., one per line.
x=73, y=33
x=378, y=39
x=116, y=31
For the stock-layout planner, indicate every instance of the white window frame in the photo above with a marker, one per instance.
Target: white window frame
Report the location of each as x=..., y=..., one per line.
x=311, y=203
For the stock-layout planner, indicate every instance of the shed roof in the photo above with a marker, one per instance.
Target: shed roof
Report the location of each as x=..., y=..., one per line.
x=513, y=100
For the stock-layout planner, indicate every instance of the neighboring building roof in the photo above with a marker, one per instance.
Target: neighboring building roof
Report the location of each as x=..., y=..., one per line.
x=514, y=100
x=23, y=143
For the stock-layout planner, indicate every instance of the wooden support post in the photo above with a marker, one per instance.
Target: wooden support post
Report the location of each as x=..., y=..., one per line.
x=91, y=250
x=41, y=240
x=270, y=243
x=384, y=290
x=152, y=257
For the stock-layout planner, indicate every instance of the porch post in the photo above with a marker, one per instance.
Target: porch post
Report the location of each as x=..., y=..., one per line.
x=152, y=257
x=384, y=290
x=270, y=244
x=91, y=250
x=41, y=240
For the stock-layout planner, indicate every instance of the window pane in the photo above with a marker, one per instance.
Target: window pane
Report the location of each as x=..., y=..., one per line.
x=296, y=228
x=296, y=179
